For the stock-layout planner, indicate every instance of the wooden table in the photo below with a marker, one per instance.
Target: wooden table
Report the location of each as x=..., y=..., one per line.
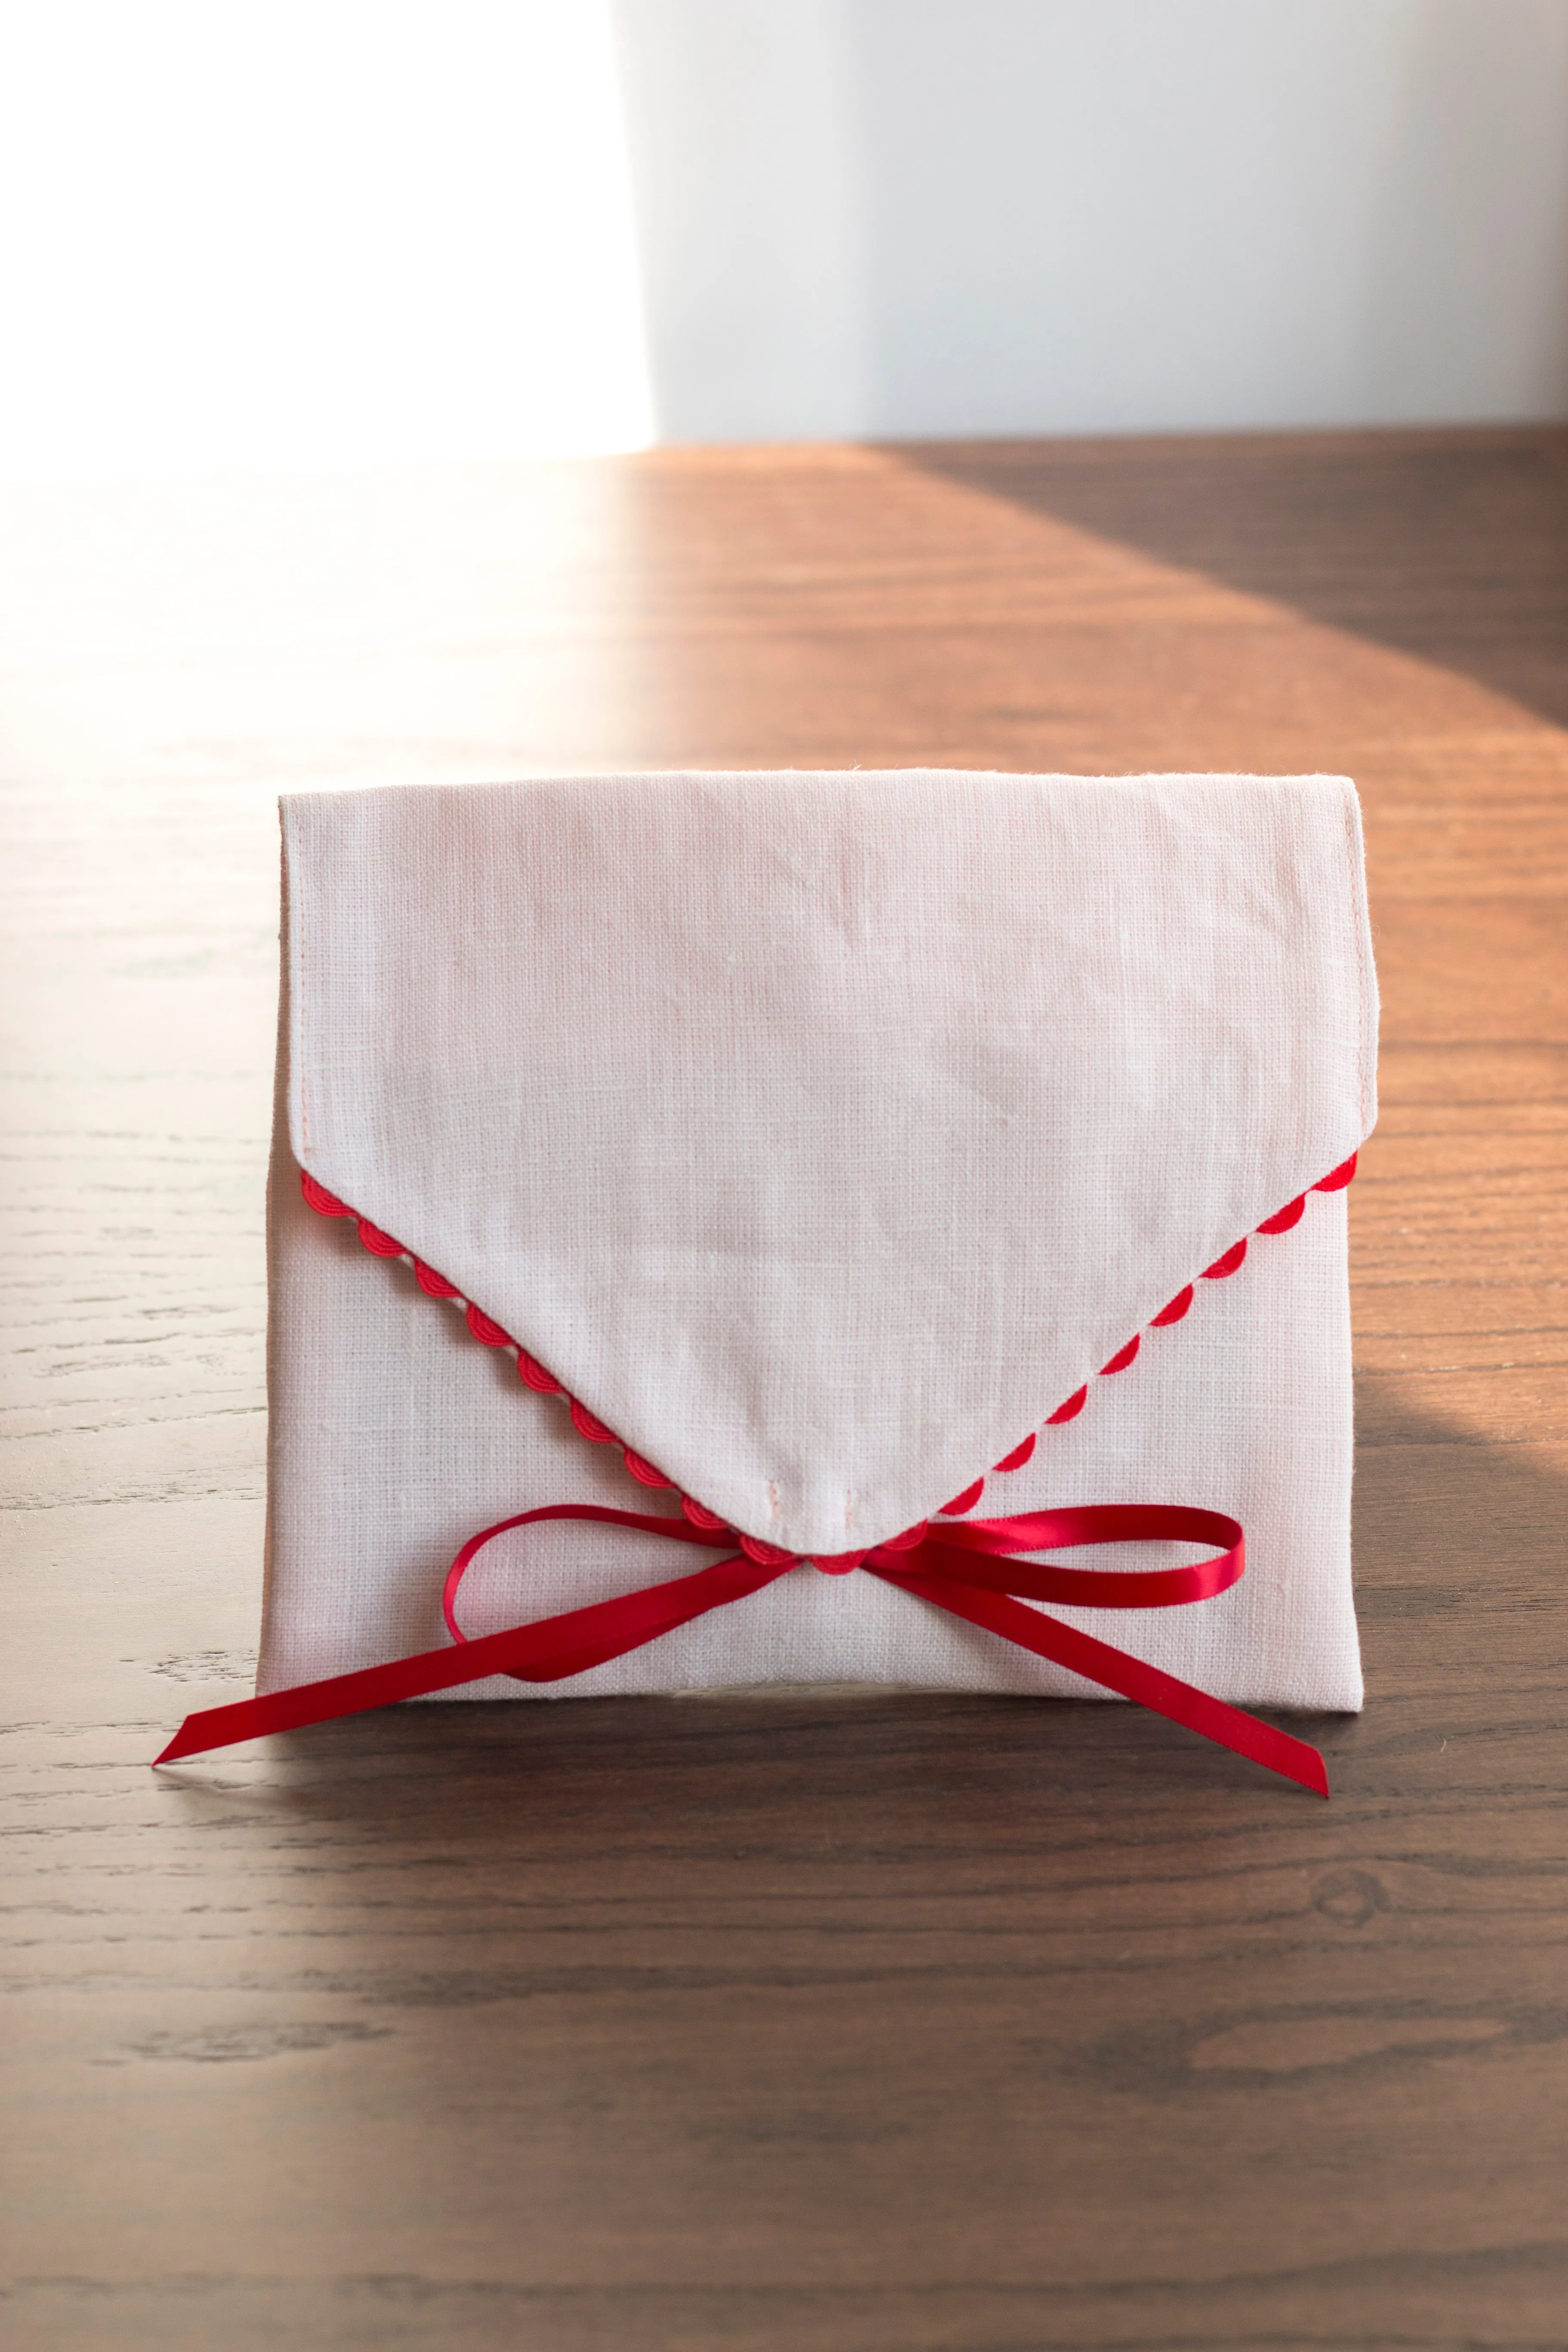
x=836, y=2021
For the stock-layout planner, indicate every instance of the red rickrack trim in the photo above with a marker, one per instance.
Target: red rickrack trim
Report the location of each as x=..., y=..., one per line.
x=530, y=1371
x=1283, y=1220
x=535, y=1375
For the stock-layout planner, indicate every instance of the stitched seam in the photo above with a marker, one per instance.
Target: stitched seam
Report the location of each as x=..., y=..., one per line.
x=295, y=914
x=1358, y=866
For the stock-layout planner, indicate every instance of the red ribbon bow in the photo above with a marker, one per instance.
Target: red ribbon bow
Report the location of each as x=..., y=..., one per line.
x=972, y=1572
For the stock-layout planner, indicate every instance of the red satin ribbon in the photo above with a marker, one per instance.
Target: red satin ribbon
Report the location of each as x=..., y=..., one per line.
x=970, y=1570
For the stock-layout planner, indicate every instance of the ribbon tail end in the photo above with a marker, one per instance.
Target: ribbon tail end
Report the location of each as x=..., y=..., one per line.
x=1262, y=1743
x=185, y=1742
x=1293, y=1759
x=195, y=1736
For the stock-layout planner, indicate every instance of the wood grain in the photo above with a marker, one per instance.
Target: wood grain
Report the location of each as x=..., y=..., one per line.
x=829, y=2021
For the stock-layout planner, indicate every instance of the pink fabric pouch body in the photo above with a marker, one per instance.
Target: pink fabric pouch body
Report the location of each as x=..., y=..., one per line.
x=824, y=1137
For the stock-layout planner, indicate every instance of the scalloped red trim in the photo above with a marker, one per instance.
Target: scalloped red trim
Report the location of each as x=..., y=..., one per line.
x=1283, y=1220
x=534, y=1376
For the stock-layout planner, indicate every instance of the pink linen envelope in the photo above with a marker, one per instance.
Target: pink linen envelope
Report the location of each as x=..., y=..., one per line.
x=841, y=1151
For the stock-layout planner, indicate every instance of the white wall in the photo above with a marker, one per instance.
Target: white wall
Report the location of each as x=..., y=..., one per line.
x=311, y=233
x=929, y=216
x=345, y=232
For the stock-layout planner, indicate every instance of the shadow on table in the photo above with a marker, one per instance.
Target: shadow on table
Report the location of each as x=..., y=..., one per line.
x=1452, y=546
x=584, y=1979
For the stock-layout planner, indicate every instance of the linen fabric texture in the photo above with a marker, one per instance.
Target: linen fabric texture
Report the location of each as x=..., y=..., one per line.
x=822, y=1134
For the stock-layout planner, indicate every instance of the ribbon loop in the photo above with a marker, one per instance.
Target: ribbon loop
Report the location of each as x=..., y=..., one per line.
x=951, y=1550
x=972, y=1572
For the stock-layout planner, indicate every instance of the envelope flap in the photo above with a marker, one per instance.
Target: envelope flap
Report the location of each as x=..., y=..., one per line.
x=823, y=1132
